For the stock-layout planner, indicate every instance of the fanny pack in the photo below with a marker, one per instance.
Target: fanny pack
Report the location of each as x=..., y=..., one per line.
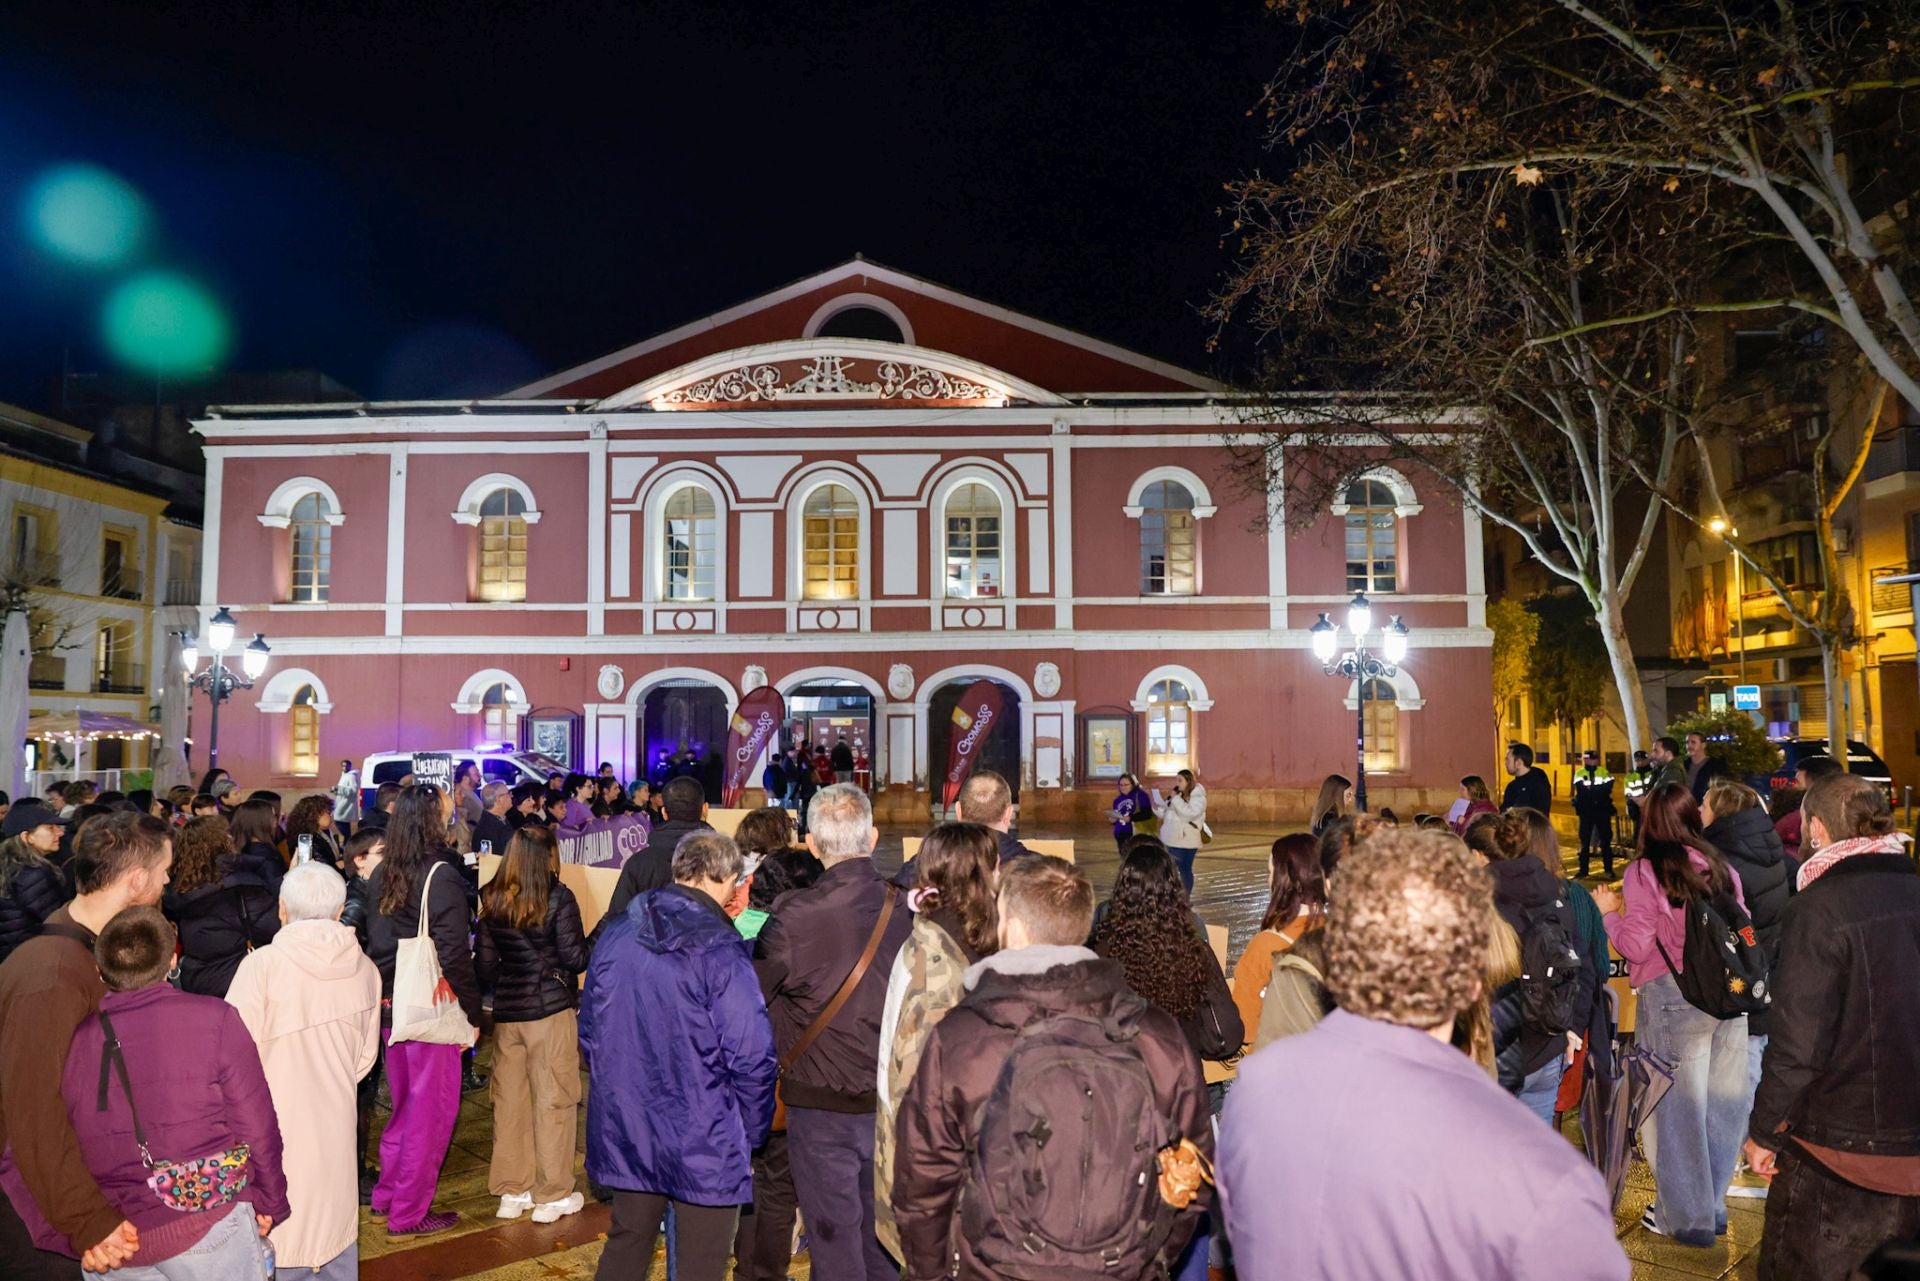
x=188, y=1186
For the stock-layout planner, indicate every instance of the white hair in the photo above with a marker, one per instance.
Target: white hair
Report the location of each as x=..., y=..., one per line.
x=840, y=820
x=312, y=892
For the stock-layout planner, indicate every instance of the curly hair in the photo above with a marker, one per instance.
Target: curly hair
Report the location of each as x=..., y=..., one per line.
x=304, y=818
x=1149, y=930
x=957, y=863
x=201, y=854
x=1500, y=837
x=1407, y=926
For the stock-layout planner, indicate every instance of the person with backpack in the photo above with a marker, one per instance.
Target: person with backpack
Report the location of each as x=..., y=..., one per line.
x=1369, y=1148
x=1594, y=1024
x=1677, y=882
x=676, y=1037
x=1050, y=1039
x=1296, y=906
x=1537, y=1016
x=953, y=927
x=1738, y=826
x=1836, y=1122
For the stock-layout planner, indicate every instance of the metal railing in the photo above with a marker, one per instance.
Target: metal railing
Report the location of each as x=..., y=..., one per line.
x=1890, y=598
x=121, y=678
x=123, y=583
x=47, y=671
x=183, y=591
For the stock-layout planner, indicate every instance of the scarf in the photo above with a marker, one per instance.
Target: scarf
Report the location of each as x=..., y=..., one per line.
x=1822, y=862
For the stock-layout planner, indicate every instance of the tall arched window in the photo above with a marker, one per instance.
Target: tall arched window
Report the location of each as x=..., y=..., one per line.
x=689, y=534
x=1381, y=716
x=1373, y=556
x=310, y=536
x=1167, y=562
x=303, y=733
x=499, y=723
x=830, y=533
x=503, y=546
x=1169, y=728
x=973, y=542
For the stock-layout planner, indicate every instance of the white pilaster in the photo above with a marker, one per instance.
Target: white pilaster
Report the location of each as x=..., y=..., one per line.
x=396, y=538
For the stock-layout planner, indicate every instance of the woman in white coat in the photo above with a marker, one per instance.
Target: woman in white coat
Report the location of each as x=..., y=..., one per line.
x=346, y=800
x=1183, y=823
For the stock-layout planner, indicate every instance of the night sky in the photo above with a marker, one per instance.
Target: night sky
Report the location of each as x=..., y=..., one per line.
x=428, y=199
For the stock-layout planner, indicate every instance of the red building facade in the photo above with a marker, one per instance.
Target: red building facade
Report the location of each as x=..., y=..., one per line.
x=867, y=491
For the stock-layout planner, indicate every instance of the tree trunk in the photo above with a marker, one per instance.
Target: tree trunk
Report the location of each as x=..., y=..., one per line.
x=1626, y=677
x=16, y=658
x=1839, y=722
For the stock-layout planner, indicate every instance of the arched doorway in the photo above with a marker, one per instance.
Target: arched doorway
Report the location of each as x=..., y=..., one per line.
x=1002, y=751
x=821, y=713
x=684, y=730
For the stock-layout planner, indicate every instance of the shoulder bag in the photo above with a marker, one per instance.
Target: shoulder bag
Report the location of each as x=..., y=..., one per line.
x=424, y=1006
x=187, y=1186
x=838, y=1003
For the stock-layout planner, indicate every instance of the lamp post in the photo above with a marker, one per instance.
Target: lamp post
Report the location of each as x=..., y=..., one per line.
x=219, y=681
x=1721, y=526
x=1360, y=665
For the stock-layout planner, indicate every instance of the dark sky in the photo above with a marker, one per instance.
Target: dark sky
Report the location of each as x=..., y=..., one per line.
x=427, y=198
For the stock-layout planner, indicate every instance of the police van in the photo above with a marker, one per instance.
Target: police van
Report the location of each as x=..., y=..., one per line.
x=498, y=762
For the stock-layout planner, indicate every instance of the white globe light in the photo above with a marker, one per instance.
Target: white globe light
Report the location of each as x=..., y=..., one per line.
x=1396, y=641
x=1324, y=639
x=1359, y=616
x=220, y=630
x=254, y=660
x=189, y=652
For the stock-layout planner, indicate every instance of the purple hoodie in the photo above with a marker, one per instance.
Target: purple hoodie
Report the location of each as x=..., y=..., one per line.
x=197, y=1079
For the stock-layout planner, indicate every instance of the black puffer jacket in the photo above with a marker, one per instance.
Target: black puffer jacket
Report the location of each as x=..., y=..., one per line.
x=219, y=924
x=264, y=863
x=449, y=924
x=1523, y=888
x=1753, y=848
x=534, y=973
x=34, y=893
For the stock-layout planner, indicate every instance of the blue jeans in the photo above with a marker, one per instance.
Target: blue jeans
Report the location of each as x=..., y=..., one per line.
x=230, y=1252
x=1699, y=1127
x=1756, y=1050
x=344, y=1266
x=1542, y=1087
x=1183, y=859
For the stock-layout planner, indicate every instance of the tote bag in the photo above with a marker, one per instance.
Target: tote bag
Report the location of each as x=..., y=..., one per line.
x=424, y=1006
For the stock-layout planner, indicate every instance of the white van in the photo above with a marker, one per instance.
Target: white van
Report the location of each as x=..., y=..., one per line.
x=498, y=762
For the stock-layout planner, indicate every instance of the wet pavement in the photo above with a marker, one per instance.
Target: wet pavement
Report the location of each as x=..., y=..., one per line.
x=1230, y=889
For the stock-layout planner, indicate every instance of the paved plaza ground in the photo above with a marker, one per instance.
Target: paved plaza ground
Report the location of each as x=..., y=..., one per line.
x=1231, y=889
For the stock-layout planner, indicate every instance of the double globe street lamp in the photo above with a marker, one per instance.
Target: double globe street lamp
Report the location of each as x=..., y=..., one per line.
x=1361, y=665
x=219, y=681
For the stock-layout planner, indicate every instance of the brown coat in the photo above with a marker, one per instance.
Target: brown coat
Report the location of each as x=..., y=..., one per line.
x=961, y=1063
x=48, y=987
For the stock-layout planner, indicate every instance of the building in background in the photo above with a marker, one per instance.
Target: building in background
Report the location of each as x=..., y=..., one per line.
x=868, y=491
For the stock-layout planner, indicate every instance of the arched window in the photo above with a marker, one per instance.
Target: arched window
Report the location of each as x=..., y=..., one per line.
x=1373, y=556
x=830, y=548
x=1167, y=563
x=1381, y=716
x=499, y=723
x=861, y=322
x=973, y=542
x=310, y=537
x=688, y=538
x=1169, y=728
x=303, y=733
x=503, y=546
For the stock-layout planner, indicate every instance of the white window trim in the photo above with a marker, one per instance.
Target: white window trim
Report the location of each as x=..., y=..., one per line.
x=653, y=572
x=1405, y=501
x=796, y=536
x=480, y=682
x=949, y=484
x=1203, y=504
x=1201, y=700
x=468, y=513
x=1406, y=692
x=279, y=509
x=847, y=302
x=277, y=696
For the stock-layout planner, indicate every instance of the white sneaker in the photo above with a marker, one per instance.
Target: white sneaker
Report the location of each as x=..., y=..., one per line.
x=549, y=1211
x=513, y=1205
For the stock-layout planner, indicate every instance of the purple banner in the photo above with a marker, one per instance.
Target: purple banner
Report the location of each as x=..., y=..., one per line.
x=610, y=842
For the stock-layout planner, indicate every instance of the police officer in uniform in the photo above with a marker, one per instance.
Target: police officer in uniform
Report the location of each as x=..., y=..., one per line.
x=1593, y=804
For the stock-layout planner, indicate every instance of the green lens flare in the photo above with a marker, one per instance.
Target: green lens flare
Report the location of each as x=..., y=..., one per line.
x=86, y=215
x=162, y=321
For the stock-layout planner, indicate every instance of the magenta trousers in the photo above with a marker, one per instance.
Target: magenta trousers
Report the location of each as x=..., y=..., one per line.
x=425, y=1081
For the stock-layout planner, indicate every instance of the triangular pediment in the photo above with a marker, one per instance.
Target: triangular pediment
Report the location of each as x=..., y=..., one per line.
x=812, y=372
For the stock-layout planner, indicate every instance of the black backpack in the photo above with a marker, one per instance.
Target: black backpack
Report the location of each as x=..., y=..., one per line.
x=1063, y=1174
x=1549, y=969
x=1726, y=970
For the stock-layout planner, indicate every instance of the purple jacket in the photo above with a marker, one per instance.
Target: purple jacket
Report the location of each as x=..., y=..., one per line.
x=197, y=1079
x=1362, y=1151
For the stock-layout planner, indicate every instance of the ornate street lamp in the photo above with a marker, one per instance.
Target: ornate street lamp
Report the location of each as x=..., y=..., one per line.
x=1360, y=665
x=219, y=681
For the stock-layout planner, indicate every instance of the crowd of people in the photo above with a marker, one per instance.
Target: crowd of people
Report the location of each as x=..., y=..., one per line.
x=968, y=1068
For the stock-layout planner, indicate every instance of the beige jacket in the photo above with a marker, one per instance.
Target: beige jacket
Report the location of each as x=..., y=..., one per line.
x=311, y=998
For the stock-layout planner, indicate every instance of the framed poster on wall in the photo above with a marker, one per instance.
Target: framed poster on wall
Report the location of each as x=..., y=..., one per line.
x=1105, y=755
x=553, y=737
